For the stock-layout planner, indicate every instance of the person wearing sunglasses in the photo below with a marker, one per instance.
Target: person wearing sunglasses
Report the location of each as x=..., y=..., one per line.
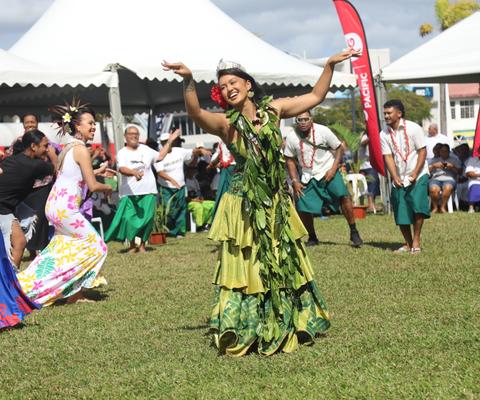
x=319, y=153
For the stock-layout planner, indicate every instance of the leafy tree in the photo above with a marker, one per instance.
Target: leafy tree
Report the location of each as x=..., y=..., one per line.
x=417, y=109
x=341, y=112
x=448, y=13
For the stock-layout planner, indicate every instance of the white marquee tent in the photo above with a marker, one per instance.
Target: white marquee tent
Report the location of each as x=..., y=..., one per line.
x=132, y=38
x=16, y=70
x=139, y=35
x=451, y=57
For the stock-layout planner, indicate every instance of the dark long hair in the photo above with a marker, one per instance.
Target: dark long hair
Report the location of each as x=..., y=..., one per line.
x=33, y=136
x=257, y=89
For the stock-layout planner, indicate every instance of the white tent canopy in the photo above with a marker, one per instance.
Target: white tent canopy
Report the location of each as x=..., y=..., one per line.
x=16, y=70
x=139, y=35
x=451, y=57
x=132, y=38
x=29, y=86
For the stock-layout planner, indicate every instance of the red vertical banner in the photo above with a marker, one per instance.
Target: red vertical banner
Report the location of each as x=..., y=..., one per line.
x=476, y=139
x=355, y=37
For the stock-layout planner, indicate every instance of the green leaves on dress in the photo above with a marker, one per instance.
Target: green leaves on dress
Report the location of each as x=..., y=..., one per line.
x=267, y=204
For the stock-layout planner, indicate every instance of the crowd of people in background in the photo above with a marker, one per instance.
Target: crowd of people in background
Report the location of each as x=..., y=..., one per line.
x=454, y=173
x=191, y=182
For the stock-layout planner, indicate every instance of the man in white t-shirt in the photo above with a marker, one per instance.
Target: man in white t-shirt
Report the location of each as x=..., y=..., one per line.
x=319, y=152
x=172, y=183
x=434, y=138
x=403, y=148
x=137, y=190
x=472, y=171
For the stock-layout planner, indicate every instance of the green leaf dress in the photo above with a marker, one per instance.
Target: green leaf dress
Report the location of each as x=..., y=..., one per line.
x=265, y=296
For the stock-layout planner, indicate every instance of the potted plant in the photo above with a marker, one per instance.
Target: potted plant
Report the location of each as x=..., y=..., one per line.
x=352, y=141
x=160, y=229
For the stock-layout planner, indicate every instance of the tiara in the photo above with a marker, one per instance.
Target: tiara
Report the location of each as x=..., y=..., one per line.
x=225, y=64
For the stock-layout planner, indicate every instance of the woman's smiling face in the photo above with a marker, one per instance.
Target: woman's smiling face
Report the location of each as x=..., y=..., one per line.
x=234, y=89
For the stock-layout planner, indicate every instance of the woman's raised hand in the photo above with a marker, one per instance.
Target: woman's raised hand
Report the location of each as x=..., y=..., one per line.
x=344, y=55
x=179, y=68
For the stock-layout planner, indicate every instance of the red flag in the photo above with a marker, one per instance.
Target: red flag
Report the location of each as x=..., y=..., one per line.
x=476, y=139
x=355, y=37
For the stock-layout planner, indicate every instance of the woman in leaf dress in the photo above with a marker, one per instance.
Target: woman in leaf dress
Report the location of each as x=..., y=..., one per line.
x=265, y=295
x=72, y=260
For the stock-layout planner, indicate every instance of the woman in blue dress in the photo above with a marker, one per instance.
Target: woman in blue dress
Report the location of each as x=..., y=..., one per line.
x=14, y=304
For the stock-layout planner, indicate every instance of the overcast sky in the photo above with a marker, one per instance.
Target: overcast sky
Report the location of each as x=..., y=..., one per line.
x=302, y=27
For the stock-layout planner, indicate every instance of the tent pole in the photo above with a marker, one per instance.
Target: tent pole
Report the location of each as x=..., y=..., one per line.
x=151, y=124
x=442, y=108
x=381, y=93
x=115, y=103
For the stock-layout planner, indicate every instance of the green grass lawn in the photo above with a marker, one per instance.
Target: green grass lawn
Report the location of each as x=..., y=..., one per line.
x=404, y=326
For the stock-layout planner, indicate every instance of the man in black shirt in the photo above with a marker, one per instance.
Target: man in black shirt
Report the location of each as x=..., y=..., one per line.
x=19, y=173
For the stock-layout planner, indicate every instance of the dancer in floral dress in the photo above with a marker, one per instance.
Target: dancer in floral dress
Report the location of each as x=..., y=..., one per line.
x=76, y=253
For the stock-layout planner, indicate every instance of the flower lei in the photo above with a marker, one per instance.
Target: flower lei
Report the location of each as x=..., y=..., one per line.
x=396, y=148
x=216, y=96
x=225, y=164
x=314, y=149
x=263, y=181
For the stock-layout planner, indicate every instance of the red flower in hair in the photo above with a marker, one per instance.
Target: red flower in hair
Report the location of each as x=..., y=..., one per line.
x=216, y=96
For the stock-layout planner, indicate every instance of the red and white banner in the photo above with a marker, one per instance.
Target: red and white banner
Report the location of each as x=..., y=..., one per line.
x=355, y=37
x=476, y=139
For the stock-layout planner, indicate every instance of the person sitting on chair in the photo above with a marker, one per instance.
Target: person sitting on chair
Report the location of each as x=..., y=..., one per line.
x=444, y=170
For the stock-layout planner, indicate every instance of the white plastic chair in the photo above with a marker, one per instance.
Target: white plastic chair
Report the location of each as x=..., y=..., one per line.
x=453, y=198
x=100, y=224
x=354, y=179
x=193, y=226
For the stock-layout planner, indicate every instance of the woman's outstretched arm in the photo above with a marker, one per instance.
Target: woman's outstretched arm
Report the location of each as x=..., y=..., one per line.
x=214, y=123
x=292, y=106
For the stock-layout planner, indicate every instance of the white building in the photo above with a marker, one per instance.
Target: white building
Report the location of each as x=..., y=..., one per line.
x=464, y=109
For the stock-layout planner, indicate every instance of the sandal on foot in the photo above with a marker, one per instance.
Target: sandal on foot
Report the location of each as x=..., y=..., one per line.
x=415, y=250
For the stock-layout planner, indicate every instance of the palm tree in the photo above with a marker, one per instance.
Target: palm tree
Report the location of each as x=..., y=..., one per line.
x=448, y=14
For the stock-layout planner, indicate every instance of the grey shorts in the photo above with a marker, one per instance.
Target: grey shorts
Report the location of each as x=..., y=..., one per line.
x=25, y=216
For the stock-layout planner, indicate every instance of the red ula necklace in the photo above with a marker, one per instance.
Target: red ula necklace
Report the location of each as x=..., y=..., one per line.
x=396, y=147
x=302, y=153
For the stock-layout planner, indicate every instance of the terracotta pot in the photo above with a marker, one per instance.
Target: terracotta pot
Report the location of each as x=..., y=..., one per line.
x=359, y=212
x=157, y=238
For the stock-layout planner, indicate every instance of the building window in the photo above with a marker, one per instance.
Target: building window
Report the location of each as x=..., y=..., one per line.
x=466, y=109
x=452, y=109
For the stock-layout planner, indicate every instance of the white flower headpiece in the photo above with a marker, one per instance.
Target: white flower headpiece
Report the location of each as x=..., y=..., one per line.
x=68, y=114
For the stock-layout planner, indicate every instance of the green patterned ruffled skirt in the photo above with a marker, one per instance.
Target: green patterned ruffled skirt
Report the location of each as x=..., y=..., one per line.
x=241, y=300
